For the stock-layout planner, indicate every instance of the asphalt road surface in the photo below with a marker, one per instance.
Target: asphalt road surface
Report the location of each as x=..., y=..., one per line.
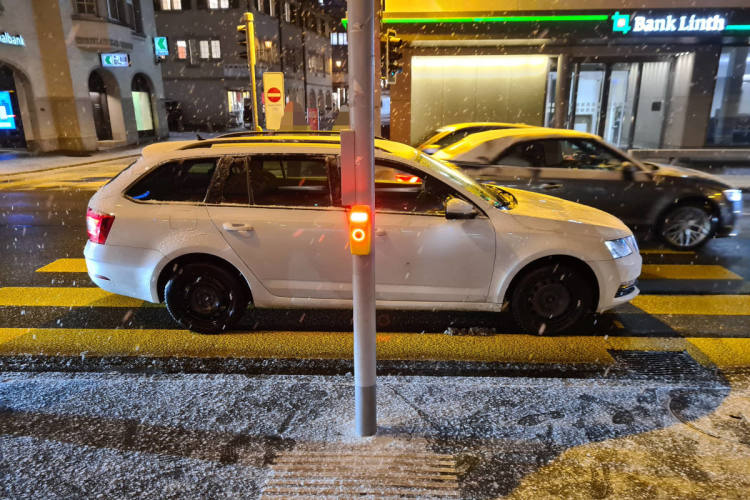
x=695, y=302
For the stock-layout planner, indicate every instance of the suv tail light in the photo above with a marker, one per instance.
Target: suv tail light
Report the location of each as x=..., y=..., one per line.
x=98, y=226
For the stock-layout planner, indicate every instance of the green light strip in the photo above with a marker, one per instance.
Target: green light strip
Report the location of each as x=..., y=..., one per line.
x=737, y=27
x=504, y=19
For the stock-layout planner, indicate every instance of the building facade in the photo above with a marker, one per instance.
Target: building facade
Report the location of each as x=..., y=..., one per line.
x=58, y=88
x=668, y=74
x=206, y=80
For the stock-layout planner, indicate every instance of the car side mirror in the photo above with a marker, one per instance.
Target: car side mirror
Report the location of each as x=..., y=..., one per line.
x=456, y=208
x=628, y=171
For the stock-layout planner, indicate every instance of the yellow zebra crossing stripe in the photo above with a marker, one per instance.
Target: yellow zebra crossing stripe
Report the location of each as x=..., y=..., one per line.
x=64, y=266
x=710, y=305
x=64, y=297
x=686, y=272
x=665, y=251
x=516, y=348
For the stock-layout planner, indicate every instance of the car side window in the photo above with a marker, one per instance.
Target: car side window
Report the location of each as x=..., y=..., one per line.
x=181, y=180
x=290, y=181
x=523, y=154
x=583, y=154
x=236, y=188
x=399, y=190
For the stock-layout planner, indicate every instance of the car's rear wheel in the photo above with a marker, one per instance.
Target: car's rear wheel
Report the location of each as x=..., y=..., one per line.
x=205, y=297
x=552, y=298
x=687, y=226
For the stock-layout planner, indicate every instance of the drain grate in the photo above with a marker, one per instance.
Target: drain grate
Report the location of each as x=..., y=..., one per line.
x=346, y=472
x=673, y=364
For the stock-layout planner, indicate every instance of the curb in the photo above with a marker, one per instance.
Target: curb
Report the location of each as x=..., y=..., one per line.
x=70, y=165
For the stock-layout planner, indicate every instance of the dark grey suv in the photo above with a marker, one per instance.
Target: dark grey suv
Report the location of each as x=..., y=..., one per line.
x=684, y=207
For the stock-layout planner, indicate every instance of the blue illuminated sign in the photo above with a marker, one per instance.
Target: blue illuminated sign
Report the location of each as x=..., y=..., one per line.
x=7, y=115
x=115, y=60
x=161, y=49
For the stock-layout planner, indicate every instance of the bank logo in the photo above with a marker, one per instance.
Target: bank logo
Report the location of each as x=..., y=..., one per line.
x=621, y=23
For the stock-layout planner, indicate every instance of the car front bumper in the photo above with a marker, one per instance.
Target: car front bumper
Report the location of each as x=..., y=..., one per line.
x=617, y=280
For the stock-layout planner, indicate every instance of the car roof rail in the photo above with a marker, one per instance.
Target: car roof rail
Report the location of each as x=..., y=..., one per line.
x=242, y=140
x=255, y=133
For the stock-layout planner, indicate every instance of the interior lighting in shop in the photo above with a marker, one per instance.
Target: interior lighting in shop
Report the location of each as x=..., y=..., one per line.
x=519, y=64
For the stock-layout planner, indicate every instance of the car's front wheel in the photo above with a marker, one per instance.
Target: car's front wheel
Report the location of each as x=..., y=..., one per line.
x=205, y=297
x=552, y=298
x=686, y=226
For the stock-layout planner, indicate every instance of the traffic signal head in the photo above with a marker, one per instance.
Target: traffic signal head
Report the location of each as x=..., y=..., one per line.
x=395, y=56
x=360, y=230
x=242, y=40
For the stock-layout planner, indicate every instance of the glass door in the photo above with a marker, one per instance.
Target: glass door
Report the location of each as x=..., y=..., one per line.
x=588, y=96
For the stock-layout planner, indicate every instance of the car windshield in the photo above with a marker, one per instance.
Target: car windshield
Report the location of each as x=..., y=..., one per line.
x=496, y=197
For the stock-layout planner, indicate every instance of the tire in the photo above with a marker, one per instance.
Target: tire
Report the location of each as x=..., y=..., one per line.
x=205, y=298
x=552, y=298
x=687, y=226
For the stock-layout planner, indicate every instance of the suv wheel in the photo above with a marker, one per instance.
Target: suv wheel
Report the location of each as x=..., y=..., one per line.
x=551, y=299
x=686, y=226
x=205, y=298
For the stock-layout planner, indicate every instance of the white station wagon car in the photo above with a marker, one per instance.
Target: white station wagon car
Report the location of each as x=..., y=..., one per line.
x=212, y=226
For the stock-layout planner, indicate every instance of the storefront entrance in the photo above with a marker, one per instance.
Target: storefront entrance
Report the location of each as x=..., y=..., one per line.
x=624, y=102
x=11, y=126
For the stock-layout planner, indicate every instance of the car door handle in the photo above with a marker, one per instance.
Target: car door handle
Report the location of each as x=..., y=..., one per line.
x=237, y=226
x=379, y=232
x=552, y=186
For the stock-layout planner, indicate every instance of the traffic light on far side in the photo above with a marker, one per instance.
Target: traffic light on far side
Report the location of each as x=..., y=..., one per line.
x=360, y=230
x=395, y=56
x=384, y=56
x=242, y=40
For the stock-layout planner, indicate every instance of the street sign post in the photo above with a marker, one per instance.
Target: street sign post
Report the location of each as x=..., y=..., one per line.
x=361, y=33
x=247, y=29
x=273, y=98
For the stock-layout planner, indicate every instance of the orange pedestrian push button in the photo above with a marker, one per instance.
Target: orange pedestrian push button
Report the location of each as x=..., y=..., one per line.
x=360, y=230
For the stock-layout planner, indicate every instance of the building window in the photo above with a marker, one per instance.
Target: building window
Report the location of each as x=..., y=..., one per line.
x=287, y=12
x=259, y=4
x=171, y=4
x=204, y=51
x=218, y=4
x=272, y=8
x=193, y=52
x=86, y=7
x=181, y=49
x=215, y=49
x=729, y=124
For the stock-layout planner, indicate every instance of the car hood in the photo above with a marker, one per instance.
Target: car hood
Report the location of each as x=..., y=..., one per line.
x=548, y=213
x=685, y=173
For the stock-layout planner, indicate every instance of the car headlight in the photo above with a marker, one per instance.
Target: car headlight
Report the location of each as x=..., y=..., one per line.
x=733, y=194
x=619, y=247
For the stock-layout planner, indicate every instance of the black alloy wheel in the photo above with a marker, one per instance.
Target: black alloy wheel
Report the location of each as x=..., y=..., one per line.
x=205, y=298
x=687, y=226
x=552, y=298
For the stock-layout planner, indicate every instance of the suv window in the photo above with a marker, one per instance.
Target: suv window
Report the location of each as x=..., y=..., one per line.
x=182, y=180
x=582, y=153
x=403, y=191
x=523, y=154
x=289, y=181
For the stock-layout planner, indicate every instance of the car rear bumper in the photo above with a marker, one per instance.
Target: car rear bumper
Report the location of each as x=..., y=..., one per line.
x=729, y=215
x=123, y=270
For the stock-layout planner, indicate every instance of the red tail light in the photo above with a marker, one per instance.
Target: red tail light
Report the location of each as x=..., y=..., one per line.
x=98, y=226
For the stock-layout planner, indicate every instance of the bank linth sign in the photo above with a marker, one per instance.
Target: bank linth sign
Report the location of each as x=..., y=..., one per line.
x=636, y=23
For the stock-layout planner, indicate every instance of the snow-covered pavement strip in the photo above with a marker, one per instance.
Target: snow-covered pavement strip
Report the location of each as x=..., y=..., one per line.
x=97, y=435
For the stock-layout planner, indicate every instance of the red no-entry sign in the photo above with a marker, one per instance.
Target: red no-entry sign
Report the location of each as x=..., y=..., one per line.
x=273, y=94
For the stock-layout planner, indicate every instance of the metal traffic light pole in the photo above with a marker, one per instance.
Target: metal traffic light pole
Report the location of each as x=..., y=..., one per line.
x=361, y=77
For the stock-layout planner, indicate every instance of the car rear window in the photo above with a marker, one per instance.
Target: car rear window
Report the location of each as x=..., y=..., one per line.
x=182, y=180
